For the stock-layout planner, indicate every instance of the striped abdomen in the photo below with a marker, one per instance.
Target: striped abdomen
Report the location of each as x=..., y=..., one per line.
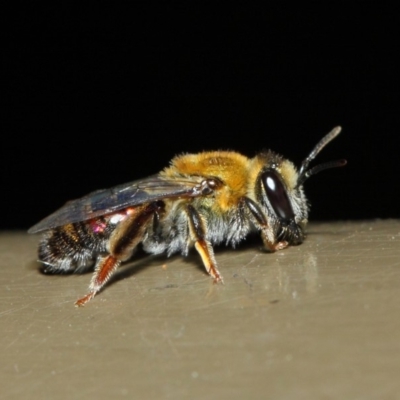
x=74, y=247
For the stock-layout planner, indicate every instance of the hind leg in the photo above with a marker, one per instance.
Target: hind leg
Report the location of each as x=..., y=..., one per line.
x=123, y=241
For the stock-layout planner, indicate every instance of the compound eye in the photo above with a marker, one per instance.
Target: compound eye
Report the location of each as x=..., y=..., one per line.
x=277, y=195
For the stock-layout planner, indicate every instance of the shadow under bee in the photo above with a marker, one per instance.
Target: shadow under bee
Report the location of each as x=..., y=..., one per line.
x=142, y=261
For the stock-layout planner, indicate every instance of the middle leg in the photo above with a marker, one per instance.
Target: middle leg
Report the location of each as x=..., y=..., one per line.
x=198, y=229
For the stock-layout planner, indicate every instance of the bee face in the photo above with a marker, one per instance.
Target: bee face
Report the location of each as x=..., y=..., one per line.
x=198, y=201
x=283, y=201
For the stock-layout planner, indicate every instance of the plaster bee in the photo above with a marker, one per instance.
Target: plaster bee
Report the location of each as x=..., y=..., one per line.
x=199, y=200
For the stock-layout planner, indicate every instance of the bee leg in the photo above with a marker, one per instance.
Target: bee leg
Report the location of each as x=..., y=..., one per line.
x=197, y=229
x=272, y=247
x=105, y=268
x=122, y=243
x=267, y=234
x=157, y=228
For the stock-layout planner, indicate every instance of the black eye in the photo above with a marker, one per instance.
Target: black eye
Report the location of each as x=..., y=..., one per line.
x=277, y=195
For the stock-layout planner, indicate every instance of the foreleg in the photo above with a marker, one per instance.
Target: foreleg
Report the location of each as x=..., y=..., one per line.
x=267, y=233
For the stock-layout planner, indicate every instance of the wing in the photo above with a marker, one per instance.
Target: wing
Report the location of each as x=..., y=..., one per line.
x=130, y=194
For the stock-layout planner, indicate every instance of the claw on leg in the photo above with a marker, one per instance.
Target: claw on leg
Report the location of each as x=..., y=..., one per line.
x=272, y=247
x=82, y=301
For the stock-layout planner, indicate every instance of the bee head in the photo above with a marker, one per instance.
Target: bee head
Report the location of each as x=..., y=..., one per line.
x=282, y=193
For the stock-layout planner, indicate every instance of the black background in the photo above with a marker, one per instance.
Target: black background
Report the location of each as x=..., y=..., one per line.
x=96, y=94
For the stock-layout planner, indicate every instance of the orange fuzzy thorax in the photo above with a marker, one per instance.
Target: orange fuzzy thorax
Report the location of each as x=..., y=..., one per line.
x=230, y=167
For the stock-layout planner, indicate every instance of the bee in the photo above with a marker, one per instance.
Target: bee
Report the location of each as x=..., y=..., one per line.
x=199, y=200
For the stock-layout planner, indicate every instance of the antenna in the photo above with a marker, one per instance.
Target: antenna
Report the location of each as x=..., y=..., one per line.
x=304, y=173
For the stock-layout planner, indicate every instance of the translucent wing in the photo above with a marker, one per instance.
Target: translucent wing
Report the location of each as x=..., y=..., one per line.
x=111, y=200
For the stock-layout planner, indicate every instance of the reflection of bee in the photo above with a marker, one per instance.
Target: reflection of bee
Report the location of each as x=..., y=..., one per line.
x=200, y=199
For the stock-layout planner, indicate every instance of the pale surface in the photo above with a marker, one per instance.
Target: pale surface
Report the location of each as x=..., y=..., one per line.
x=317, y=321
